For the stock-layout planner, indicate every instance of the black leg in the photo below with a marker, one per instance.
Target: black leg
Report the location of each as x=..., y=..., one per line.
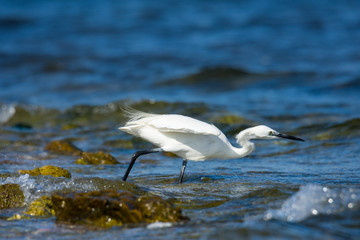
x=133, y=159
x=182, y=171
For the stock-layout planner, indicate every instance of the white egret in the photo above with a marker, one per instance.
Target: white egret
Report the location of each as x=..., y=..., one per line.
x=190, y=138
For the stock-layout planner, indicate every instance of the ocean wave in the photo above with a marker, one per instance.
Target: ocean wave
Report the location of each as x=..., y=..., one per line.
x=6, y=112
x=312, y=200
x=349, y=128
x=34, y=187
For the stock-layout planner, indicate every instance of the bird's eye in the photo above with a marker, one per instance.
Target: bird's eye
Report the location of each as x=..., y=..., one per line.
x=271, y=133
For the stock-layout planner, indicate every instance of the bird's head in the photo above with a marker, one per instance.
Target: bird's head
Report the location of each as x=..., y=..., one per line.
x=263, y=132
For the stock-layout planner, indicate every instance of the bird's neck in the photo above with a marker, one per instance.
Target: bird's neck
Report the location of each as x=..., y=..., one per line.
x=246, y=148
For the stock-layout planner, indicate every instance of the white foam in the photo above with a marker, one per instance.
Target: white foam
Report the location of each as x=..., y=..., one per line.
x=6, y=112
x=24, y=182
x=34, y=187
x=313, y=200
x=159, y=225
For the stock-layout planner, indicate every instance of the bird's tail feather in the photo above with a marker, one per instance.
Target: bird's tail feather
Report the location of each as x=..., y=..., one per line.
x=134, y=114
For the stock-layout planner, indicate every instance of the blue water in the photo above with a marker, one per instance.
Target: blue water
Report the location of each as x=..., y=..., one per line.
x=293, y=65
x=61, y=53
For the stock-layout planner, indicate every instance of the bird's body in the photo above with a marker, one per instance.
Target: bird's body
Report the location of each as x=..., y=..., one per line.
x=190, y=138
x=186, y=137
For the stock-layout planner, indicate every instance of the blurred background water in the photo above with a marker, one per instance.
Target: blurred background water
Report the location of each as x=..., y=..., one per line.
x=294, y=66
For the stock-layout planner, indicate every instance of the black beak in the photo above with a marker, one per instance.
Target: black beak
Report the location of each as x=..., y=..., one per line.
x=282, y=135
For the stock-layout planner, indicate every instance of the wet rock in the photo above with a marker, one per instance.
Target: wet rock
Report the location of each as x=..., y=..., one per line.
x=6, y=175
x=41, y=207
x=231, y=124
x=193, y=109
x=230, y=119
x=8, y=162
x=348, y=129
x=170, y=154
x=34, y=117
x=53, y=67
x=100, y=184
x=120, y=143
x=69, y=126
x=208, y=79
x=18, y=216
x=96, y=158
x=111, y=208
x=63, y=147
x=22, y=126
x=155, y=209
x=48, y=170
x=11, y=196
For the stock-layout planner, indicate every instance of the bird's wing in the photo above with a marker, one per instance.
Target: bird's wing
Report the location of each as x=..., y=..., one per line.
x=183, y=124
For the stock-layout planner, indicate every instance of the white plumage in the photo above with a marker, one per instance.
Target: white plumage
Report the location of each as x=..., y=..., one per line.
x=190, y=138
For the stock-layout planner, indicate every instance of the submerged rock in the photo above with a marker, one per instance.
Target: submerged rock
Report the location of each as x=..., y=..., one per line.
x=11, y=196
x=348, y=129
x=48, y=170
x=230, y=119
x=96, y=158
x=22, y=126
x=208, y=79
x=32, y=116
x=170, y=154
x=120, y=143
x=155, y=209
x=63, y=147
x=111, y=208
x=41, y=207
x=18, y=216
x=69, y=126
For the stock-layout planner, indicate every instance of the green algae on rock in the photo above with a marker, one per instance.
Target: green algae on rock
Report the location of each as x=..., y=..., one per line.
x=35, y=117
x=41, y=207
x=69, y=126
x=208, y=79
x=111, y=208
x=18, y=216
x=63, y=147
x=100, y=184
x=11, y=196
x=193, y=109
x=169, y=154
x=230, y=119
x=347, y=129
x=120, y=143
x=48, y=170
x=155, y=209
x=96, y=158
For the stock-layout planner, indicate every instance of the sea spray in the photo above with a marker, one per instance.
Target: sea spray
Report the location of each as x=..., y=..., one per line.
x=312, y=200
